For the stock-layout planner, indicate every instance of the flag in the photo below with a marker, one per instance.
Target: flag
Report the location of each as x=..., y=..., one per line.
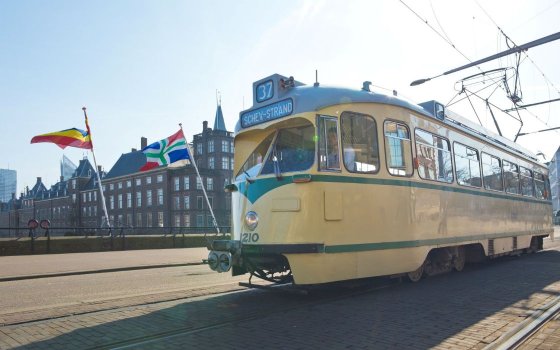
x=66, y=138
x=166, y=152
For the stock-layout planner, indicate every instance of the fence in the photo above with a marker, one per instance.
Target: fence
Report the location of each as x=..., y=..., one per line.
x=10, y=232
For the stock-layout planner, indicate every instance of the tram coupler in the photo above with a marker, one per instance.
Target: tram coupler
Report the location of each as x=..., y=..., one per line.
x=224, y=254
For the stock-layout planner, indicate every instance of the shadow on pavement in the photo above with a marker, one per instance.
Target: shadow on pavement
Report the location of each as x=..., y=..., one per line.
x=403, y=316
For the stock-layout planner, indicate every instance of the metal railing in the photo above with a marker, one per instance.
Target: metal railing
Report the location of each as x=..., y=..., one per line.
x=10, y=232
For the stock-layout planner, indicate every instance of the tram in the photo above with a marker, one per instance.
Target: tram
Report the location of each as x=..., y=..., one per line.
x=335, y=184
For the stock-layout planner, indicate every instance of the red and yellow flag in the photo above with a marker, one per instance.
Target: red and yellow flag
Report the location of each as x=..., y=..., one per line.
x=66, y=138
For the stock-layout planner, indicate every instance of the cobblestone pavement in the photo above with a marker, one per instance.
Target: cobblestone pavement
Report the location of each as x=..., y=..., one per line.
x=467, y=310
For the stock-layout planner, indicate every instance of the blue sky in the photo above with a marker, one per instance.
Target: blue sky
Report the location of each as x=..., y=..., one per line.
x=142, y=67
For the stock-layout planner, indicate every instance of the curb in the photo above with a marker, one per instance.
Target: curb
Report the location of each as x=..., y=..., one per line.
x=88, y=272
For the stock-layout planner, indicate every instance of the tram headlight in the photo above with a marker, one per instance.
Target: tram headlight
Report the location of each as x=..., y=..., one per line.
x=251, y=220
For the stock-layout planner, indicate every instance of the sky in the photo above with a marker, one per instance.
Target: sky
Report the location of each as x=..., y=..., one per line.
x=142, y=67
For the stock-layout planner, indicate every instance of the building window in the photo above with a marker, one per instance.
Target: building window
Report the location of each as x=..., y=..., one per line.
x=160, y=218
x=95, y=196
x=186, y=202
x=433, y=156
x=177, y=222
x=511, y=177
x=210, y=184
x=149, y=220
x=112, y=219
x=231, y=163
x=186, y=182
x=119, y=185
x=104, y=188
x=176, y=202
x=209, y=221
x=232, y=149
x=89, y=196
x=160, y=196
x=225, y=163
x=199, y=148
x=492, y=172
x=186, y=220
x=467, y=166
x=199, y=202
x=159, y=178
x=138, y=199
x=199, y=221
x=210, y=146
x=111, y=202
x=149, y=197
x=74, y=184
x=129, y=200
x=120, y=220
x=84, y=197
x=198, y=183
x=129, y=219
x=138, y=182
x=211, y=201
x=94, y=211
x=148, y=180
x=138, y=220
x=129, y=183
x=176, y=184
x=211, y=162
x=120, y=201
x=225, y=146
x=398, y=149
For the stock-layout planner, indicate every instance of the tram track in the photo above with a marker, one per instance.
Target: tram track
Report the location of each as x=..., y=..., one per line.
x=182, y=331
x=523, y=333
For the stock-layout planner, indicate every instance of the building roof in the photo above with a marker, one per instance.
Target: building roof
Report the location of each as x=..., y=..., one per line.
x=127, y=163
x=85, y=169
x=219, y=123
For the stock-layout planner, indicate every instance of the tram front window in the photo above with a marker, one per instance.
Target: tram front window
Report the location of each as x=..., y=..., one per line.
x=293, y=150
x=254, y=162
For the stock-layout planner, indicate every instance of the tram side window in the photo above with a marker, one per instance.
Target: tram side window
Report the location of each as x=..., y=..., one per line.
x=492, y=172
x=398, y=151
x=254, y=162
x=328, y=143
x=540, y=187
x=511, y=177
x=547, y=191
x=359, y=143
x=433, y=157
x=467, y=166
x=526, y=181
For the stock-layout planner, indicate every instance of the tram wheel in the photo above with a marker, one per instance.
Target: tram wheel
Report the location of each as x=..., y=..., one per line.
x=460, y=259
x=416, y=275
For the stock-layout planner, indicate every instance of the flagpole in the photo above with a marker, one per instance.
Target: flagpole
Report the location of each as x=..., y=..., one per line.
x=215, y=222
x=98, y=176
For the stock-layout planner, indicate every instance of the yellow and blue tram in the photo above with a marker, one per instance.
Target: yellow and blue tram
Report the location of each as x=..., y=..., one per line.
x=334, y=184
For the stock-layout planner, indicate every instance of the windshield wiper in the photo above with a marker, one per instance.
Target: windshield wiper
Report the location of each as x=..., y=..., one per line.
x=247, y=177
x=276, y=164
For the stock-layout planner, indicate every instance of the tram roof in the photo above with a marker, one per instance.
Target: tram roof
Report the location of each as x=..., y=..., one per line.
x=308, y=98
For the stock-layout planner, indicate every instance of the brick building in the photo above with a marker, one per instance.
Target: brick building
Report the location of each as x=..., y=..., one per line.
x=156, y=200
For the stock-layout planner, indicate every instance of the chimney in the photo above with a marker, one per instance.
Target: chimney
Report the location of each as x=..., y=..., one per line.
x=99, y=170
x=61, y=178
x=13, y=196
x=204, y=126
x=143, y=142
x=38, y=179
x=133, y=150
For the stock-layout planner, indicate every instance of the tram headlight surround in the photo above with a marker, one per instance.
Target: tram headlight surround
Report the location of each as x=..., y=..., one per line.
x=251, y=220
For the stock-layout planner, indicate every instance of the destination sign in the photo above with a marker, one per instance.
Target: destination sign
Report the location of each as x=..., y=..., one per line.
x=264, y=114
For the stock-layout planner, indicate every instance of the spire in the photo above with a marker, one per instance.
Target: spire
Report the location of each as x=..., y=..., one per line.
x=219, y=123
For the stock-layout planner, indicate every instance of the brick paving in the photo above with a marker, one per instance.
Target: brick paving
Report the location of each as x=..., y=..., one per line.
x=467, y=310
